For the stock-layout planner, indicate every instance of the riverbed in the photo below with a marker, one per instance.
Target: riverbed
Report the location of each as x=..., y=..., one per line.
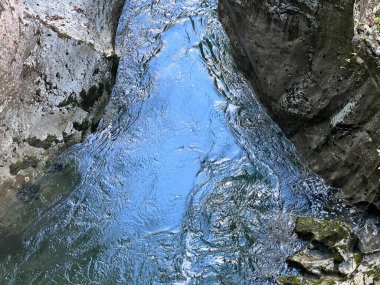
x=187, y=179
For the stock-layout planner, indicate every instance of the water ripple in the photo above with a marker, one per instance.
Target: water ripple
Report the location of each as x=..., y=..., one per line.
x=187, y=181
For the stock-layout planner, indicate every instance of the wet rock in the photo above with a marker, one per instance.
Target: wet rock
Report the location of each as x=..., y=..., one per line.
x=300, y=280
x=334, y=235
x=318, y=76
x=368, y=273
x=369, y=243
x=313, y=261
x=28, y=193
x=330, y=249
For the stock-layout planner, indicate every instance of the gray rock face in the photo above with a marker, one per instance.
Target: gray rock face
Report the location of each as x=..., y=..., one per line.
x=330, y=257
x=57, y=67
x=318, y=77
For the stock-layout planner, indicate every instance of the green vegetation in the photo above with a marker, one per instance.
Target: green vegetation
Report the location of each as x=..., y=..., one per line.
x=64, y=36
x=290, y=280
x=45, y=144
x=95, y=92
x=375, y=274
x=358, y=258
x=68, y=101
x=300, y=280
x=28, y=161
x=82, y=127
x=334, y=234
x=329, y=232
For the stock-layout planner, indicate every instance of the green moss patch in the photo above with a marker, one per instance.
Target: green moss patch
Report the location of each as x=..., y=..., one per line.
x=300, y=280
x=68, y=101
x=328, y=232
x=290, y=280
x=82, y=127
x=64, y=36
x=28, y=161
x=358, y=258
x=45, y=144
x=90, y=97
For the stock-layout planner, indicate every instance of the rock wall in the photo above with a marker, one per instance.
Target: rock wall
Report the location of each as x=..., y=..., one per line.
x=314, y=65
x=57, y=68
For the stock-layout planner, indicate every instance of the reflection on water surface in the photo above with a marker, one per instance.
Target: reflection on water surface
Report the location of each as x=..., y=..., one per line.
x=188, y=181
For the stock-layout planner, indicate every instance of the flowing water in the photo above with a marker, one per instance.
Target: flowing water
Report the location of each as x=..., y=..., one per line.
x=187, y=181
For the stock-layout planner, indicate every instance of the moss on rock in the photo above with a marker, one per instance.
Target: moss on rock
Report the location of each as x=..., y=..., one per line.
x=82, y=127
x=90, y=97
x=301, y=280
x=45, y=144
x=330, y=255
x=68, y=101
x=358, y=257
x=28, y=161
x=329, y=232
x=336, y=235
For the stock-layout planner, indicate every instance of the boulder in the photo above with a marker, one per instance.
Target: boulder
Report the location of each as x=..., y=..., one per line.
x=330, y=256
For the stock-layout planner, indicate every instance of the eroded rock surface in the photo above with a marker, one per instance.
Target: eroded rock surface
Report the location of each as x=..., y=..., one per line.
x=57, y=68
x=314, y=65
x=331, y=256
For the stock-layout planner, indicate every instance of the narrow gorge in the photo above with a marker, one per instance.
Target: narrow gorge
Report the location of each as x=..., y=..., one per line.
x=189, y=142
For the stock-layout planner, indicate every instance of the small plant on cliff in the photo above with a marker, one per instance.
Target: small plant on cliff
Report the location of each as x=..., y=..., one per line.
x=378, y=151
x=27, y=161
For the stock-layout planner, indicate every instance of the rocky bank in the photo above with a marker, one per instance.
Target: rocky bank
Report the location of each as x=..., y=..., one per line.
x=333, y=256
x=57, y=69
x=315, y=65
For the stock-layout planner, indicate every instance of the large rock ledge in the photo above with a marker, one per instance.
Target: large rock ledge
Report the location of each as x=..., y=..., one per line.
x=314, y=65
x=57, y=68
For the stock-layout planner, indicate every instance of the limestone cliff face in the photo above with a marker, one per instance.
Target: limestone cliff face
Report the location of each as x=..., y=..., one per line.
x=314, y=65
x=57, y=67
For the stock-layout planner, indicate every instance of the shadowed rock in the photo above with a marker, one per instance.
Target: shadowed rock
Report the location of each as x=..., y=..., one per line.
x=318, y=76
